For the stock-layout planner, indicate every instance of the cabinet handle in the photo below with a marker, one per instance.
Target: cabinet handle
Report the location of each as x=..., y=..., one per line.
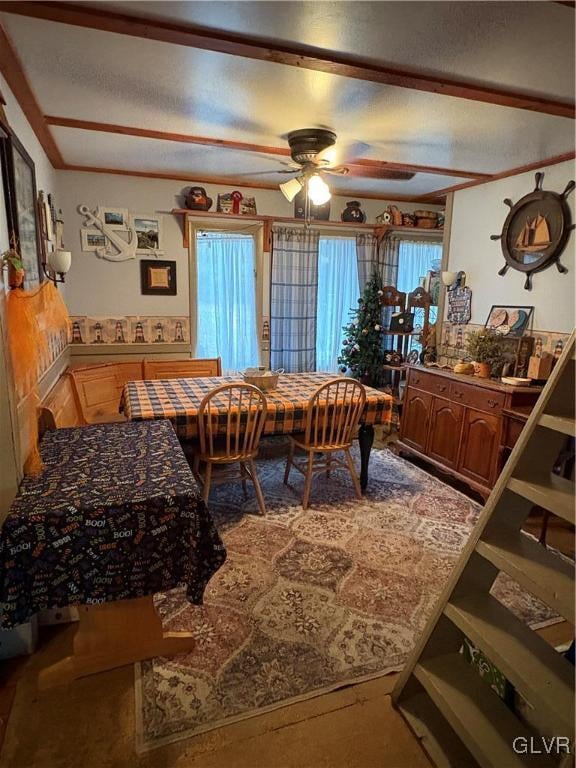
x=459, y=395
x=492, y=403
x=442, y=388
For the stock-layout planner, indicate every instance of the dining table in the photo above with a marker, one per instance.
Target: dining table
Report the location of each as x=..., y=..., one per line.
x=114, y=516
x=178, y=400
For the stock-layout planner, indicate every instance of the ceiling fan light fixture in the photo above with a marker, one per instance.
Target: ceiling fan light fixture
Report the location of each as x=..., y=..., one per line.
x=318, y=190
x=291, y=188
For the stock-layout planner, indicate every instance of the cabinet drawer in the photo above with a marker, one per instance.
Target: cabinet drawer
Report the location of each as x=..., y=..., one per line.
x=476, y=397
x=422, y=380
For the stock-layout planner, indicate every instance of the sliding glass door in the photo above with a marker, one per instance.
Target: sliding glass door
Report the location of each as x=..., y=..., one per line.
x=226, y=324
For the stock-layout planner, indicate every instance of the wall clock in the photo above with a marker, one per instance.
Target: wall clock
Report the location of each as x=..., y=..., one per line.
x=536, y=231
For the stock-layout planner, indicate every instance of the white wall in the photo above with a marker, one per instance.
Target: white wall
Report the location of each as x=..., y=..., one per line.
x=97, y=287
x=478, y=213
x=46, y=180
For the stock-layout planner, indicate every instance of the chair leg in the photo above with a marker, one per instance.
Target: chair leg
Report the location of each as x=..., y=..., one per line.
x=257, y=488
x=207, y=481
x=244, y=475
x=289, y=462
x=196, y=466
x=308, y=481
x=353, y=475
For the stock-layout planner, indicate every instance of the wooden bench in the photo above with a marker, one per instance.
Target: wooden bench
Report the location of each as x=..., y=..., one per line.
x=90, y=394
x=99, y=388
x=182, y=369
x=61, y=407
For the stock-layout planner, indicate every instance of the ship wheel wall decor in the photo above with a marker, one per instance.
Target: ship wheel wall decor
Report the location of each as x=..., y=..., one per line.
x=536, y=231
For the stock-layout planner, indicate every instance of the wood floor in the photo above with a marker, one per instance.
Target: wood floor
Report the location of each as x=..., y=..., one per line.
x=90, y=723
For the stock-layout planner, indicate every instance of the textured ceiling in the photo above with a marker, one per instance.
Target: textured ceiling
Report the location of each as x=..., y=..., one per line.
x=111, y=78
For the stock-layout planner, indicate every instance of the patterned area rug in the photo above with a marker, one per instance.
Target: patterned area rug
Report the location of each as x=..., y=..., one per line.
x=309, y=601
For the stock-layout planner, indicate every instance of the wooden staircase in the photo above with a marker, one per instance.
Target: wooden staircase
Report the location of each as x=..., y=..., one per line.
x=457, y=716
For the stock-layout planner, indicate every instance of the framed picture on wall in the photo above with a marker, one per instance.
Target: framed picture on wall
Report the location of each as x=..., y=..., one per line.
x=114, y=217
x=158, y=277
x=508, y=321
x=19, y=183
x=149, y=233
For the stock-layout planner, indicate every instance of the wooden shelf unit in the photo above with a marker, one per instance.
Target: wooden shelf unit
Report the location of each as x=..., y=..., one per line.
x=269, y=221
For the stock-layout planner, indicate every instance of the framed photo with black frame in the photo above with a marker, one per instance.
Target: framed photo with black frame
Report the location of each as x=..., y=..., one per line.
x=20, y=194
x=158, y=278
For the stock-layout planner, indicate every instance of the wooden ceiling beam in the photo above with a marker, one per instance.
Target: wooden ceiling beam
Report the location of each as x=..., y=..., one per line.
x=146, y=133
x=291, y=54
x=231, y=182
x=13, y=73
x=370, y=168
x=441, y=193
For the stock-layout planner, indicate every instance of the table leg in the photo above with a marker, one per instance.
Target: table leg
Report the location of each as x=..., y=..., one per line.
x=113, y=635
x=365, y=439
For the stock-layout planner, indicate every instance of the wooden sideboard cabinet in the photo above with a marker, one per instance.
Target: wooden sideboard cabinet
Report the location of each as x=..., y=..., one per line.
x=462, y=424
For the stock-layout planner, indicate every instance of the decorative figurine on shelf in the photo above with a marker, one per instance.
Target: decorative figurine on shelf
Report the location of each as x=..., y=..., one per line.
x=408, y=220
x=393, y=357
x=396, y=215
x=236, y=204
x=384, y=218
x=536, y=231
x=353, y=212
x=196, y=199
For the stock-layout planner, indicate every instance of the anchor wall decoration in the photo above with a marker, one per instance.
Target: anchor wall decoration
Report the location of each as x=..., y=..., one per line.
x=536, y=231
x=116, y=248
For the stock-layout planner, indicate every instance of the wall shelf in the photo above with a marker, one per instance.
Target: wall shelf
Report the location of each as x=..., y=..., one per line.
x=378, y=229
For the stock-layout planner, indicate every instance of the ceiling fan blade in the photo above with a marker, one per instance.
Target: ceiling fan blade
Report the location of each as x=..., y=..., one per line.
x=375, y=170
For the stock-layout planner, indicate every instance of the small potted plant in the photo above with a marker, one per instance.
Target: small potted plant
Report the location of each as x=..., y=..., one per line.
x=485, y=351
x=12, y=260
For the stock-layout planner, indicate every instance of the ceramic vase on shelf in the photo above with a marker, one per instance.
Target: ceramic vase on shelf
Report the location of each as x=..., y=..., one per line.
x=482, y=370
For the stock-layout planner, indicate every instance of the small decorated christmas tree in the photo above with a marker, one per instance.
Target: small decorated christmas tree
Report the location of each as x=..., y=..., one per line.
x=362, y=350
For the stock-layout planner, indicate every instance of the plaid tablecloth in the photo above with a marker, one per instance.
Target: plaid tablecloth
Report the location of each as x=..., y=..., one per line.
x=179, y=399
x=115, y=514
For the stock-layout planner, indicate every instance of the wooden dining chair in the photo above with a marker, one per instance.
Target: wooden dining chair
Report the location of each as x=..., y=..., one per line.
x=332, y=418
x=230, y=422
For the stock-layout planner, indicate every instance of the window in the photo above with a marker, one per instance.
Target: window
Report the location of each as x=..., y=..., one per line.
x=226, y=325
x=338, y=293
x=415, y=260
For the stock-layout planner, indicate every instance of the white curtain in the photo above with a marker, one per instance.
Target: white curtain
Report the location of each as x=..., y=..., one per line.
x=415, y=259
x=227, y=328
x=338, y=292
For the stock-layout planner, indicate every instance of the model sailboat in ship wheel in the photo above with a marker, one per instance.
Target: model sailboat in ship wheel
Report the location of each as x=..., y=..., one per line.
x=536, y=231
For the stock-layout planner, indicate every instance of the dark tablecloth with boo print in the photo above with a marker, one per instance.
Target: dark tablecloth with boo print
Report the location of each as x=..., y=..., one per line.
x=115, y=514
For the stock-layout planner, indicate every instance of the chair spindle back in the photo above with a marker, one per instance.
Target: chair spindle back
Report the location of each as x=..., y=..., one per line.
x=230, y=421
x=334, y=412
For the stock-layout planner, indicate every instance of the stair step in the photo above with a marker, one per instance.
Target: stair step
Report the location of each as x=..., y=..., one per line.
x=434, y=733
x=543, y=573
x=554, y=493
x=479, y=717
x=537, y=671
x=565, y=424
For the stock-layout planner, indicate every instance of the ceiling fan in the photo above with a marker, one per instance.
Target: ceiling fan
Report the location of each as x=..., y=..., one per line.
x=314, y=154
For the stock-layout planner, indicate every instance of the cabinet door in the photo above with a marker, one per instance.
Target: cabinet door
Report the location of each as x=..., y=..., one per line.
x=445, y=430
x=415, y=419
x=480, y=440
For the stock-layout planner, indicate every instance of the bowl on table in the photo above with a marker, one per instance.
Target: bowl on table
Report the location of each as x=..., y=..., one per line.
x=262, y=378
